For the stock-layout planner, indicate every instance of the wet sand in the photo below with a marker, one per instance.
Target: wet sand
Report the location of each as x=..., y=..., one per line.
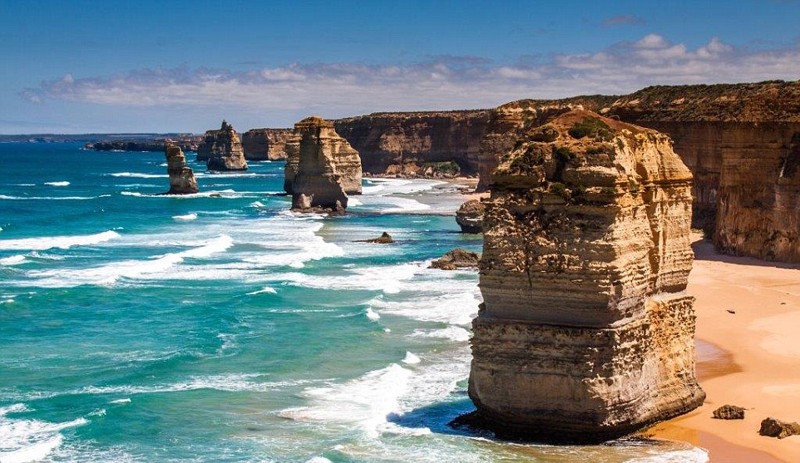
x=749, y=358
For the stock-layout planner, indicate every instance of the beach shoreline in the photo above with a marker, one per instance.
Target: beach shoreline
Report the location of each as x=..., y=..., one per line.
x=748, y=355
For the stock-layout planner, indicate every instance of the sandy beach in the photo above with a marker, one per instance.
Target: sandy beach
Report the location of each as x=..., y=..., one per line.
x=748, y=355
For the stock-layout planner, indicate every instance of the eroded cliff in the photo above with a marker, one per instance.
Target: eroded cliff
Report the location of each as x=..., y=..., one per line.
x=265, y=144
x=222, y=149
x=407, y=143
x=586, y=332
x=323, y=167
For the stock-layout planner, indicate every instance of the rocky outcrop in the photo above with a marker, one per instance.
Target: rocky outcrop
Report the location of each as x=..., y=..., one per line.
x=385, y=238
x=729, y=412
x=147, y=144
x=772, y=427
x=469, y=216
x=456, y=259
x=326, y=169
x=222, y=149
x=412, y=144
x=265, y=144
x=586, y=331
x=181, y=178
x=315, y=141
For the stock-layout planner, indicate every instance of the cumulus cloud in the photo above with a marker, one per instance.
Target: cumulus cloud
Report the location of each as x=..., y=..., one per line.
x=443, y=82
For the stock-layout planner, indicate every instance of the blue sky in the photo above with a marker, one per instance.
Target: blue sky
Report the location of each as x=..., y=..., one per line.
x=113, y=66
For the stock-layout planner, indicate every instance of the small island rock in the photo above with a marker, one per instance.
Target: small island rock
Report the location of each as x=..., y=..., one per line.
x=181, y=178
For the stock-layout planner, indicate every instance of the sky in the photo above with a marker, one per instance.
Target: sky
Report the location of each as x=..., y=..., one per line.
x=183, y=66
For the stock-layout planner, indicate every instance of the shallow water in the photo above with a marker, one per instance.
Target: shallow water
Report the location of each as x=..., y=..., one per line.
x=139, y=327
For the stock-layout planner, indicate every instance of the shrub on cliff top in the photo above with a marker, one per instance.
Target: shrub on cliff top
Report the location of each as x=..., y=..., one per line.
x=591, y=127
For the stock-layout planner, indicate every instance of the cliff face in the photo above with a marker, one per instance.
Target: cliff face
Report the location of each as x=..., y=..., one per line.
x=225, y=152
x=586, y=332
x=738, y=140
x=407, y=143
x=265, y=144
x=316, y=142
x=327, y=168
x=181, y=178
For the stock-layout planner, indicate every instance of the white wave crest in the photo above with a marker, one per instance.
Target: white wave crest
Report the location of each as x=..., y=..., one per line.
x=411, y=359
x=26, y=440
x=186, y=217
x=264, y=290
x=138, y=175
x=365, y=401
x=13, y=260
x=61, y=183
x=61, y=242
x=132, y=269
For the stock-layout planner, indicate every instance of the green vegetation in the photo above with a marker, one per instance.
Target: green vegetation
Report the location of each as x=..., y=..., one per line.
x=592, y=127
x=545, y=134
x=448, y=168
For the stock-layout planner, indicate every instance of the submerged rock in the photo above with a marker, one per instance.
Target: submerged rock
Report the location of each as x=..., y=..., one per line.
x=326, y=167
x=470, y=216
x=586, y=332
x=222, y=150
x=181, y=178
x=385, y=238
x=772, y=427
x=729, y=412
x=455, y=259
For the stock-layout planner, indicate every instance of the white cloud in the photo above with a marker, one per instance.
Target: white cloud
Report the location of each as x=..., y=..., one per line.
x=444, y=82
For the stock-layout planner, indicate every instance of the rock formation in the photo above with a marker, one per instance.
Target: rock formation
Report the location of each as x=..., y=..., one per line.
x=181, y=178
x=739, y=140
x=326, y=167
x=772, y=427
x=470, y=216
x=222, y=150
x=409, y=144
x=455, y=259
x=385, y=238
x=729, y=412
x=315, y=141
x=265, y=144
x=586, y=331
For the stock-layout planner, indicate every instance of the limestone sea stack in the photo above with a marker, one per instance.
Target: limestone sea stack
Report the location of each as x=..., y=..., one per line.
x=586, y=330
x=315, y=138
x=181, y=178
x=326, y=167
x=225, y=152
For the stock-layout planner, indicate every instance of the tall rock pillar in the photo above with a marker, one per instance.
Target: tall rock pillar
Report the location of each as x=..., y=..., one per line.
x=181, y=178
x=324, y=168
x=586, y=332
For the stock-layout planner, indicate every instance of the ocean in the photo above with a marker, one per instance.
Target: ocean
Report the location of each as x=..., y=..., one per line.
x=223, y=327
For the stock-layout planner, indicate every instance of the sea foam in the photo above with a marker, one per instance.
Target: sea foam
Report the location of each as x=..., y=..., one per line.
x=61, y=183
x=60, y=242
x=25, y=440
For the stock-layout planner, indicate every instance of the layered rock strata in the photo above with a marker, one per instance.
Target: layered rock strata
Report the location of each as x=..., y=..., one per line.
x=265, y=144
x=315, y=142
x=326, y=167
x=181, y=178
x=222, y=149
x=469, y=216
x=412, y=144
x=586, y=331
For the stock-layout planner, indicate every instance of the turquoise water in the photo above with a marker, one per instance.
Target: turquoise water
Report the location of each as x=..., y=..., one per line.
x=221, y=327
